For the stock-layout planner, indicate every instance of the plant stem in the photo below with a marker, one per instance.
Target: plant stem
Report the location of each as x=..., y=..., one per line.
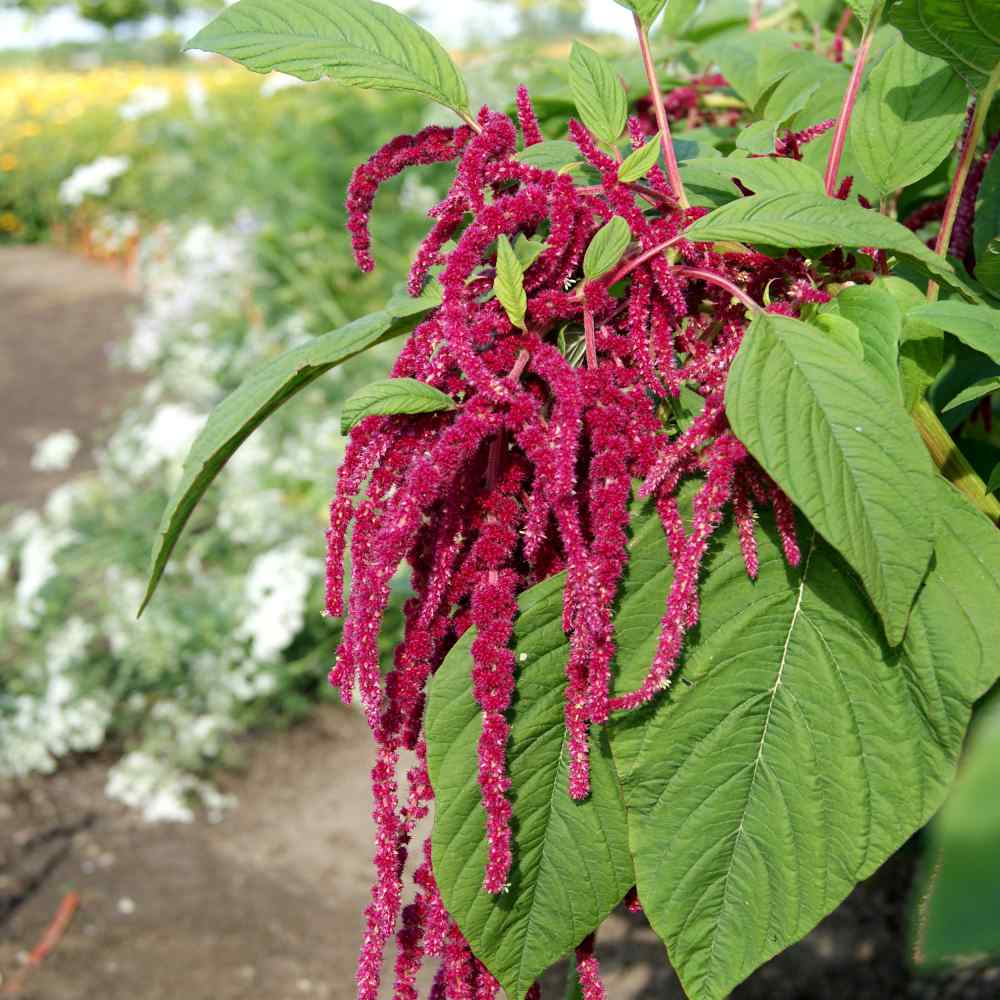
x=970, y=143
x=630, y=265
x=656, y=94
x=717, y=279
x=953, y=465
x=470, y=121
x=590, y=337
x=850, y=96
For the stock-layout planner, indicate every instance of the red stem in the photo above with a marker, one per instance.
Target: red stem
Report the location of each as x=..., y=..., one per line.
x=851, y=95
x=717, y=279
x=630, y=265
x=656, y=94
x=590, y=336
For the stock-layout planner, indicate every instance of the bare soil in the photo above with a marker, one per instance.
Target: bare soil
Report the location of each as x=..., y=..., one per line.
x=267, y=903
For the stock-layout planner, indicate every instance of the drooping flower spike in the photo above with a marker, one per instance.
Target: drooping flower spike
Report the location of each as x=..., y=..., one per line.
x=532, y=474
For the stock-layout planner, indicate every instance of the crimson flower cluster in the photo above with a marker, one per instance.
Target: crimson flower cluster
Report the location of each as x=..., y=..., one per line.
x=531, y=474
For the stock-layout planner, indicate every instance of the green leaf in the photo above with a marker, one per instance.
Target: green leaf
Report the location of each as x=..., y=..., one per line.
x=804, y=220
x=528, y=251
x=986, y=225
x=908, y=117
x=864, y=8
x=802, y=751
x=598, y=93
x=962, y=32
x=956, y=917
x=571, y=859
x=976, y=391
x=994, y=484
x=842, y=332
x=245, y=409
x=607, y=247
x=509, y=283
x=817, y=11
x=976, y=326
x=760, y=138
x=988, y=266
x=852, y=462
x=762, y=175
x=560, y=155
x=391, y=396
x=879, y=321
x=648, y=10
x=639, y=162
x=921, y=350
x=355, y=42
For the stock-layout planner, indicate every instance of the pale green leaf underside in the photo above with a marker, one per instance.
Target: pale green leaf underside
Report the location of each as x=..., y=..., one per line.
x=803, y=751
x=820, y=425
x=571, y=861
x=976, y=326
x=908, y=117
x=390, y=397
x=965, y=33
x=607, y=247
x=356, y=42
x=805, y=220
x=552, y=154
x=245, y=409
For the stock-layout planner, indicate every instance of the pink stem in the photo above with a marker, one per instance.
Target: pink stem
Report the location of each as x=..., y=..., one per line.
x=630, y=265
x=656, y=94
x=590, y=336
x=717, y=279
x=851, y=95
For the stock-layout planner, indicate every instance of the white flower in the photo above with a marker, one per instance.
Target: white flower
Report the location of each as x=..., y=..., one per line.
x=92, y=179
x=37, y=565
x=55, y=452
x=277, y=588
x=160, y=790
x=144, y=101
x=276, y=82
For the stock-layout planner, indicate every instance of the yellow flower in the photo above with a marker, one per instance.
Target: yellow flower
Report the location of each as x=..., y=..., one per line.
x=8, y=161
x=29, y=129
x=9, y=223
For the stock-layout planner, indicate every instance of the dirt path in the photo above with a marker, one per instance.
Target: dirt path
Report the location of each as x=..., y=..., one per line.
x=267, y=904
x=58, y=315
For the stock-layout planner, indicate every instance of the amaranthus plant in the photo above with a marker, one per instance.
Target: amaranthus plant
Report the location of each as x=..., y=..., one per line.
x=703, y=590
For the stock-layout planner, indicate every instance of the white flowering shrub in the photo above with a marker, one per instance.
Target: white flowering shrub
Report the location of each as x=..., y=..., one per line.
x=238, y=641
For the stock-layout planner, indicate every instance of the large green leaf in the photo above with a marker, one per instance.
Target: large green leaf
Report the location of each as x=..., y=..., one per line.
x=977, y=326
x=597, y=92
x=908, y=117
x=761, y=174
x=807, y=220
x=824, y=428
x=356, y=42
x=245, y=409
x=801, y=751
x=571, y=860
x=879, y=320
x=965, y=33
x=956, y=913
x=390, y=397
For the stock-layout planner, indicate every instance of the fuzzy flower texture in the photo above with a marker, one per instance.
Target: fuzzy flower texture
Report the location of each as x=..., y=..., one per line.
x=531, y=474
